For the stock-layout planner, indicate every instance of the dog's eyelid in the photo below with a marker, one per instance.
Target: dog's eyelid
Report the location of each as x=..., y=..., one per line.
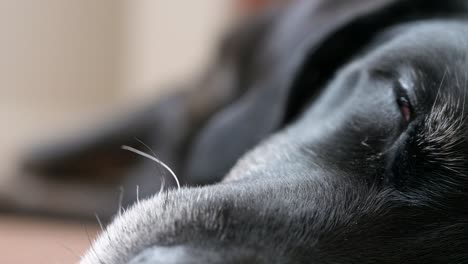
x=405, y=109
x=403, y=100
x=405, y=88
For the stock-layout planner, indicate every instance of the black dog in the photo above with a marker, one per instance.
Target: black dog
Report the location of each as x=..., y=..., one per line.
x=368, y=162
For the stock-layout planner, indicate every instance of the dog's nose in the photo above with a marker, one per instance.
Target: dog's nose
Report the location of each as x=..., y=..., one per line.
x=191, y=255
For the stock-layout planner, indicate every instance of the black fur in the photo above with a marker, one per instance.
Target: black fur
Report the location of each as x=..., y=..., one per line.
x=353, y=115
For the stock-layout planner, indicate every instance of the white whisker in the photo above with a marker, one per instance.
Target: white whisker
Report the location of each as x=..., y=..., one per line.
x=438, y=90
x=163, y=179
x=163, y=183
x=121, y=196
x=138, y=193
x=99, y=221
x=141, y=153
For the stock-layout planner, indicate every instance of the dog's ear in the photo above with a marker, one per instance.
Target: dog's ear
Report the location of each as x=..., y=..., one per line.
x=307, y=43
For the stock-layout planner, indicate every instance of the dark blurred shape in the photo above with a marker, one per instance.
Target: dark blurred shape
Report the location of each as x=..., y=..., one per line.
x=253, y=6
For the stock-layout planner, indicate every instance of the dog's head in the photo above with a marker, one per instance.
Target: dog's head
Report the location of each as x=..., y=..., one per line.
x=369, y=164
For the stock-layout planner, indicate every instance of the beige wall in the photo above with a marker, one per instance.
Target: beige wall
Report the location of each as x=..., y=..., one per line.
x=167, y=39
x=60, y=50
x=90, y=50
x=65, y=62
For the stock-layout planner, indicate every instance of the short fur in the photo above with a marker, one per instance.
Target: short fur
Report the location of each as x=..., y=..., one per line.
x=327, y=168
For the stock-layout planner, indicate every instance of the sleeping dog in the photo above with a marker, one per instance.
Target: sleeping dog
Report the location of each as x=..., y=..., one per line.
x=327, y=131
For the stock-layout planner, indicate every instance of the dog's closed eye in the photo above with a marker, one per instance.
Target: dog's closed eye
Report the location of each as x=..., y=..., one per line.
x=405, y=108
x=403, y=100
x=402, y=88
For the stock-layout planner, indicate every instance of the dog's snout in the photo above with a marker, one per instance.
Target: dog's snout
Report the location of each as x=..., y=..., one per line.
x=192, y=255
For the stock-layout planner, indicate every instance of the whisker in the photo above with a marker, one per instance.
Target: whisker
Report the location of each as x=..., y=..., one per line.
x=457, y=80
x=163, y=180
x=138, y=193
x=466, y=77
x=99, y=222
x=91, y=244
x=464, y=95
x=141, y=153
x=146, y=146
x=163, y=183
x=438, y=90
x=121, y=196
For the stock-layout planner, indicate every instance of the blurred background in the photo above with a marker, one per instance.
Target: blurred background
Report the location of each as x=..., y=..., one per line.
x=64, y=63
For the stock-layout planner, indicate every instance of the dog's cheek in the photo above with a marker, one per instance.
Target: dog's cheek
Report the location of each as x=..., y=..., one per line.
x=421, y=167
x=412, y=166
x=400, y=165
